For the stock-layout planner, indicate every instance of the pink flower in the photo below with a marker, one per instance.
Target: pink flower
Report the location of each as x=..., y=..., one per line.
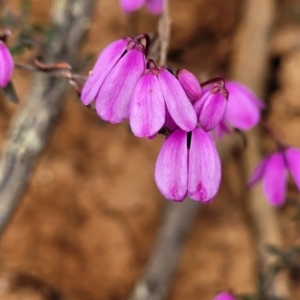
x=6, y=65
x=190, y=84
x=243, y=109
x=157, y=90
x=211, y=106
x=114, y=77
x=154, y=6
x=224, y=296
x=273, y=171
x=188, y=164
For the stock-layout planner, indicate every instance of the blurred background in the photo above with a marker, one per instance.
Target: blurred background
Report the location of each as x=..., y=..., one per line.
x=88, y=220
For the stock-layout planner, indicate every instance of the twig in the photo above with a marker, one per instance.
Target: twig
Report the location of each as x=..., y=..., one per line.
x=57, y=73
x=31, y=127
x=164, y=29
x=250, y=66
x=177, y=220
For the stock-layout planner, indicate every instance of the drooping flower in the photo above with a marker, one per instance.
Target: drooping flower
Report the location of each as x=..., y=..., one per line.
x=154, y=6
x=243, y=109
x=273, y=171
x=224, y=296
x=6, y=65
x=212, y=105
x=190, y=84
x=114, y=77
x=188, y=164
x=156, y=91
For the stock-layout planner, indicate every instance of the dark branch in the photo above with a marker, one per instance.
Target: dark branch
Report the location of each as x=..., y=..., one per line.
x=31, y=127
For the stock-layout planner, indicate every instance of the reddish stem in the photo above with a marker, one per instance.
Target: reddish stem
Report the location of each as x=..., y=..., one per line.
x=145, y=37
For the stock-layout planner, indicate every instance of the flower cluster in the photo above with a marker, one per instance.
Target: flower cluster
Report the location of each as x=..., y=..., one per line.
x=154, y=6
x=124, y=84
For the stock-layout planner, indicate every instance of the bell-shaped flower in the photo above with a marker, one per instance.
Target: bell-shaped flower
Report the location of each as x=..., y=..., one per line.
x=188, y=164
x=211, y=106
x=190, y=84
x=273, y=171
x=114, y=77
x=6, y=65
x=156, y=91
x=154, y=6
x=243, y=109
x=224, y=296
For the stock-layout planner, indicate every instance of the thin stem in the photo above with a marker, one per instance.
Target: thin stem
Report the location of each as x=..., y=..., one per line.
x=55, y=72
x=164, y=31
x=272, y=134
x=250, y=66
x=214, y=80
x=145, y=37
x=151, y=64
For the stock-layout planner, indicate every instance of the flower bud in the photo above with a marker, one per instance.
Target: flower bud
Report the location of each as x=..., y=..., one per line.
x=190, y=84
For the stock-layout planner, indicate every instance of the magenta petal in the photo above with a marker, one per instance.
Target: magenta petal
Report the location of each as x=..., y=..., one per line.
x=190, y=84
x=258, y=172
x=200, y=102
x=212, y=111
x=292, y=156
x=105, y=62
x=243, y=109
x=274, y=179
x=204, y=167
x=224, y=296
x=179, y=106
x=169, y=122
x=6, y=65
x=113, y=99
x=171, y=166
x=154, y=6
x=131, y=5
x=147, y=108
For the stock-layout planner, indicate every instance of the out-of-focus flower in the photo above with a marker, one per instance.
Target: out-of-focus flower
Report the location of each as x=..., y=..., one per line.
x=273, y=171
x=190, y=84
x=224, y=296
x=211, y=106
x=243, y=109
x=114, y=77
x=154, y=6
x=156, y=91
x=6, y=65
x=188, y=164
